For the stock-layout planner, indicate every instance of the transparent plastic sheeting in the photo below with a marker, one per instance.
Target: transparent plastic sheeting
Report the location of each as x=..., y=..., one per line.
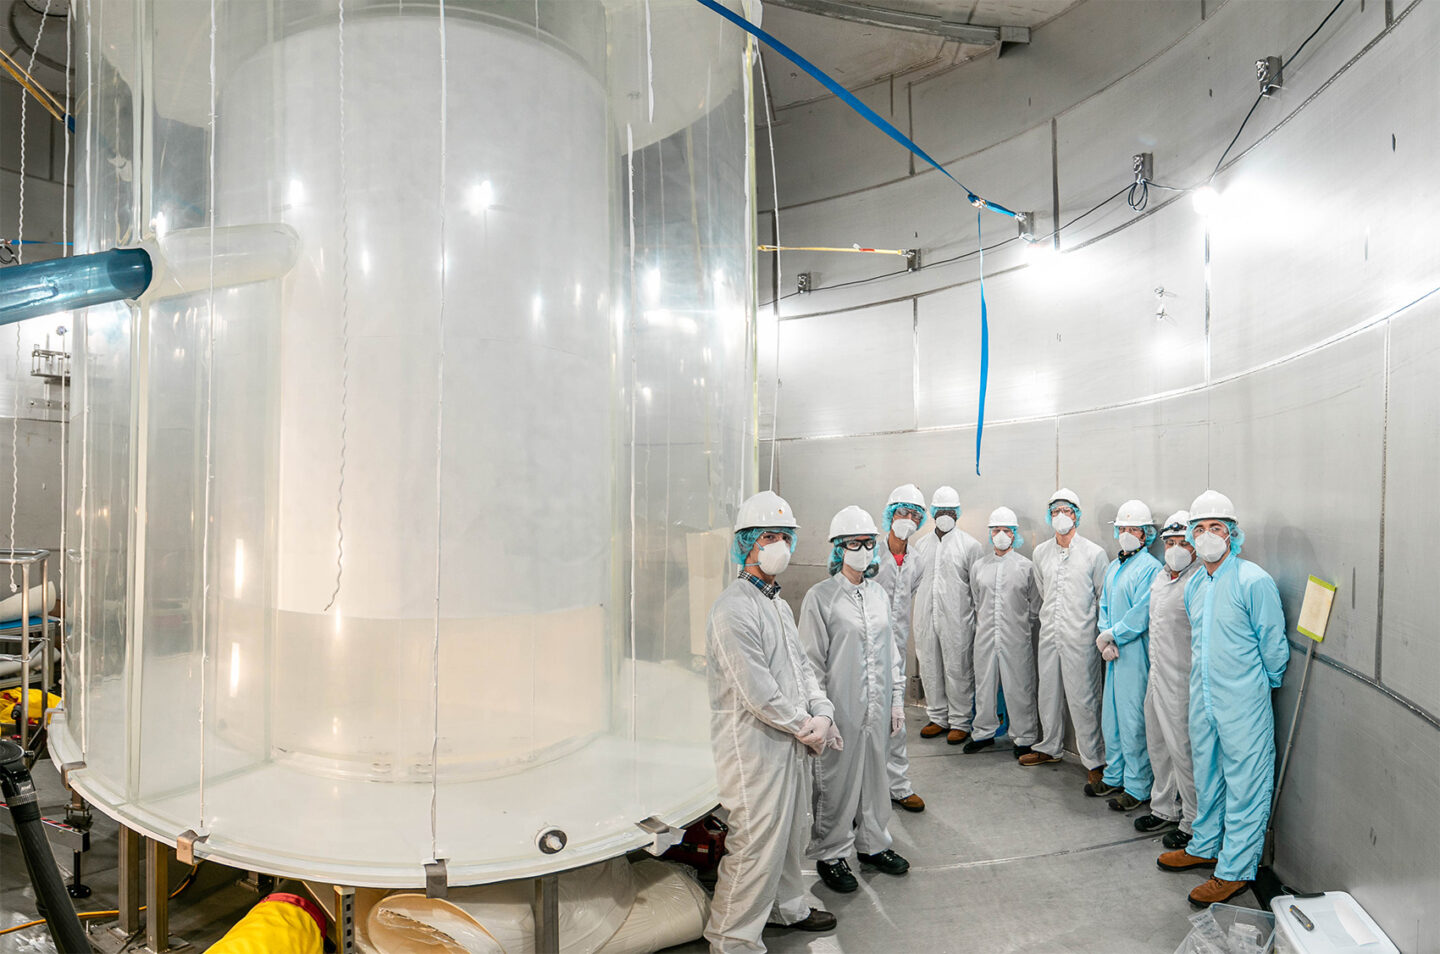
x=402, y=498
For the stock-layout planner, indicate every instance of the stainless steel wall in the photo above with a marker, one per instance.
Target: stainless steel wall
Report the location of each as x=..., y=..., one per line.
x=1294, y=370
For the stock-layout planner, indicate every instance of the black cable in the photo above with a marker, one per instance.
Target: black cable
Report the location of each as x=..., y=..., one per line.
x=1236, y=137
x=1139, y=195
x=1292, y=56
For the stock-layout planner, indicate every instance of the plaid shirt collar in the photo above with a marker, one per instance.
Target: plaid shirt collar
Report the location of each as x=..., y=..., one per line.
x=771, y=590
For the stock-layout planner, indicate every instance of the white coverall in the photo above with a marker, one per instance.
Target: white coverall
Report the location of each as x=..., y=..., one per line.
x=1007, y=603
x=762, y=690
x=900, y=582
x=945, y=628
x=1167, y=700
x=1070, y=580
x=845, y=629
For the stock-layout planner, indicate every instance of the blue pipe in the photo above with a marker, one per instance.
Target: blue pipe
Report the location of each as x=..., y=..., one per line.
x=61, y=284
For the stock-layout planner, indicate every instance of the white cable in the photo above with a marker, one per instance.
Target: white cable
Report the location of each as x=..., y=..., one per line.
x=344, y=324
x=83, y=595
x=439, y=457
x=64, y=389
x=774, y=305
x=209, y=427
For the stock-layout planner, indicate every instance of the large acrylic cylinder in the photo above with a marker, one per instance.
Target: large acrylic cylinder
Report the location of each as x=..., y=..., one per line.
x=398, y=509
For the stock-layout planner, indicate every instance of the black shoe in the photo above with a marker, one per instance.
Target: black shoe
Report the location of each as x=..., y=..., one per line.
x=975, y=745
x=1126, y=802
x=1176, y=839
x=1023, y=750
x=1101, y=789
x=1148, y=823
x=837, y=875
x=816, y=920
x=886, y=861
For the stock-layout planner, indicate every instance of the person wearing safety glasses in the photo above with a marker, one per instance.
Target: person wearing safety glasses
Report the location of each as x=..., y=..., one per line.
x=1238, y=655
x=1167, y=700
x=845, y=629
x=900, y=572
x=766, y=711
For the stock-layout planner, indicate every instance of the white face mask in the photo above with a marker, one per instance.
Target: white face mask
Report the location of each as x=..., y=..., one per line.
x=1129, y=542
x=775, y=557
x=857, y=560
x=903, y=528
x=944, y=523
x=1211, y=546
x=1178, y=558
x=1002, y=540
x=1062, y=523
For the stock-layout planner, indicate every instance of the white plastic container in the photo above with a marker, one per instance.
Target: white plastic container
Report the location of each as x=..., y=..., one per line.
x=1341, y=926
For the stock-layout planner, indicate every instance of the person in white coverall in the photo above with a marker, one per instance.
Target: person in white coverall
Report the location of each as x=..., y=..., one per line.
x=900, y=572
x=1070, y=571
x=766, y=709
x=1007, y=603
x=845, y=629
x=944, y=627
x=1167, y=700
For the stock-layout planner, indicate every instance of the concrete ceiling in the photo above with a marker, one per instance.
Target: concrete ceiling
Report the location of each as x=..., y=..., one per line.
x=861, y=54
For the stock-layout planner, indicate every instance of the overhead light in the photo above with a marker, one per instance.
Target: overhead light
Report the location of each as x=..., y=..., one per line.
x=1206, y=200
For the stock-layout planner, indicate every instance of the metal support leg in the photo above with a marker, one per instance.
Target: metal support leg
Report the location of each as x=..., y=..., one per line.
x=24, y=719
x=546, y=911
x=344, y=920
x=129, y=864
x=157, y=896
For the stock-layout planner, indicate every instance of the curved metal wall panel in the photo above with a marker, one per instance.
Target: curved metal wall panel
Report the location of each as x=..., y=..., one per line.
x=1412, y=481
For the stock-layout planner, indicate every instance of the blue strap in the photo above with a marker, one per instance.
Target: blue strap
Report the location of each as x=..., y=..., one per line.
x=984, y=350
x=847, y=97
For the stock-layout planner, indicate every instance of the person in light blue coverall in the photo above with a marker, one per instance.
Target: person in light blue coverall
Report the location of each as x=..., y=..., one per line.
x=1124, y=644
x=1238, y=655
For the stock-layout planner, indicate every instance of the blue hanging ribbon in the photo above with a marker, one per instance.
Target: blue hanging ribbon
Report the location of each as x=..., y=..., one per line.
x=984, y=350
x=847, y=97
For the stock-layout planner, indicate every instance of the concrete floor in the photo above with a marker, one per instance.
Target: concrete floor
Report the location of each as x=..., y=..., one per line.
x=1004, y=859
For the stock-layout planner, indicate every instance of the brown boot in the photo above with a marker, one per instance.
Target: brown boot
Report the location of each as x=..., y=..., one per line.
x=1036, y=757
x=911, y=803
x=931, y=730
x=1216, y=890
x=1180, y=860
x=957, y=736
x=1095, y=776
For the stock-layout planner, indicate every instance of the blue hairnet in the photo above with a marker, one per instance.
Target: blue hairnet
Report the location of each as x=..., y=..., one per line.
x=1050, y=512
x=900, y=505
x=1019, y=540
x=1237, y=536
x=1149, y=533
x=935, y=511
x=837, y=557
x=744, y=541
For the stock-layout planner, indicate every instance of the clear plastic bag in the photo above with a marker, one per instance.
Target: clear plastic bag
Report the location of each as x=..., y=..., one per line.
x=1227, y=929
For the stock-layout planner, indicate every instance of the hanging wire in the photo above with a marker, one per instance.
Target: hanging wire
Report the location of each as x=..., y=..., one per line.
x=344, y=322
x=439, y=451
x=64, y=389
x=20, y=258
x=775, y=219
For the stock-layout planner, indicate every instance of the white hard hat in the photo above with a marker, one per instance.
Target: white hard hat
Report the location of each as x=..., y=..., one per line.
x=1176, y=524
x=1065, y=494
x=1003, y=517
x=1212, y=505
x=907, y=494
x=1134, y=513
x=945, y=498
x=851, y=522
x=765, y=509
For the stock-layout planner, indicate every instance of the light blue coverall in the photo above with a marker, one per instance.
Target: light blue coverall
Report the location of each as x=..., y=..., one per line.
x=1238, y=654
x=1125, y=612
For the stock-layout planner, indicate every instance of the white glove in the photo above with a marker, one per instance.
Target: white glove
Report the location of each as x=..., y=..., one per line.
x=897, y=720
x=812, y=731
x=1105, y=642
x=832, y=740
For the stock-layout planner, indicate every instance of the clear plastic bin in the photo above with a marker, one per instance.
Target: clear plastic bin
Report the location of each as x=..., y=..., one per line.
x=1227, y=929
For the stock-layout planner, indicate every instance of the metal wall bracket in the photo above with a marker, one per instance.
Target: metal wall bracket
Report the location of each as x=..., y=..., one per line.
x=1269, y=72
x=66, y=769
x=803, y=283
x=437, y=880
x=912, y=260
x=664, y=836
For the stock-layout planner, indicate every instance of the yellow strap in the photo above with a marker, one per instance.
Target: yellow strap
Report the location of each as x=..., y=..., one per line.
x=826, y=248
